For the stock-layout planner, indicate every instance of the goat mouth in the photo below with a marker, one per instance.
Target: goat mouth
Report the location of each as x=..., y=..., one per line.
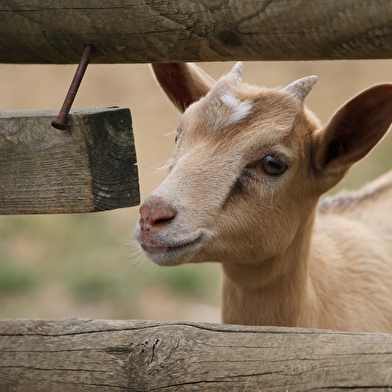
x=162, y=252
x=170, y=248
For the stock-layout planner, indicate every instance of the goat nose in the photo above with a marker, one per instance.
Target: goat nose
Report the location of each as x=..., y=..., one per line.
x=154, y=212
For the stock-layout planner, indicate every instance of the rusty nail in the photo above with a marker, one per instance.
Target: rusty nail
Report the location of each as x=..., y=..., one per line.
x=62, y=120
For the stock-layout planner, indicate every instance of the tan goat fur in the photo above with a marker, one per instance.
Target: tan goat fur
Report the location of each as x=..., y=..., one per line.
x=249, y=169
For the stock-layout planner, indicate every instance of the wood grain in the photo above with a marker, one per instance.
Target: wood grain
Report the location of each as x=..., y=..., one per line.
x=46, y=31
x=100, y=355
x=90, y=167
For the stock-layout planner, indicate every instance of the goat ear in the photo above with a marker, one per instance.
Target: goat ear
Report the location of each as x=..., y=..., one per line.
x=183, y=83
x=301, y=87
x=354, y=129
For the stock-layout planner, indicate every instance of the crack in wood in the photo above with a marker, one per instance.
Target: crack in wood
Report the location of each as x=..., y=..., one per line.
x=143, y=356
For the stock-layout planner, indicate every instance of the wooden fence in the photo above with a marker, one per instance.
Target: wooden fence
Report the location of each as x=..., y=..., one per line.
x=81, y=355
x=144, y=31
x=95, y=355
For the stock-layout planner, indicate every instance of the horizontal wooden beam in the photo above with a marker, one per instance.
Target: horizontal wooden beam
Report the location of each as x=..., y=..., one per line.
x=46, y=31
x=95, y=355
x=90, y=167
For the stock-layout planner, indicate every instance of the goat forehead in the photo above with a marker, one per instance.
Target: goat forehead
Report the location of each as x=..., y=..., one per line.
x=230, y=112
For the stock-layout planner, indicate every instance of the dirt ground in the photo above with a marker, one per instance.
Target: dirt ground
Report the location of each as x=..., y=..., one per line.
x=154, y=118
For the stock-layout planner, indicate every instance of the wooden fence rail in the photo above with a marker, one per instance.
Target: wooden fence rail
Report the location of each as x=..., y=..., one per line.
x=46, y=31
x=83, y=355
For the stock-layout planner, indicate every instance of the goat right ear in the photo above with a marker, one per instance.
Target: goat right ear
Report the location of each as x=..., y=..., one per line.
x=354, y=130
x=183, y=83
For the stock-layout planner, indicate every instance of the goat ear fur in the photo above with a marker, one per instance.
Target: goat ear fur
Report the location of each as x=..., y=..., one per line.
x=183, y=83
x=354, y=130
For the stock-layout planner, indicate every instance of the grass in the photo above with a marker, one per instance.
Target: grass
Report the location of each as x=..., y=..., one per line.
x=81, y=265
x=15, y=280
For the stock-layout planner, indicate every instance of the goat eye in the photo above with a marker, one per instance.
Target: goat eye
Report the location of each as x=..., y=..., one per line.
x=176, y=139
x=273, y=166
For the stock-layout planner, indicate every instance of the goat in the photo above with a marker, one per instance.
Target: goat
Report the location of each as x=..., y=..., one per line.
x=244, y=190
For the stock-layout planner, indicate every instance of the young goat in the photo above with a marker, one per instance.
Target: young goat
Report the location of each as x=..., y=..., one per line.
x=249, y=168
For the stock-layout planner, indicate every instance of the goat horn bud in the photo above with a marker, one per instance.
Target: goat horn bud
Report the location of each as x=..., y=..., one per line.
x=237, y=71
x=301, y=87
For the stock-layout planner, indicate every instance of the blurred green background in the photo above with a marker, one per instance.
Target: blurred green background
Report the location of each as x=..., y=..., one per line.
x=87, y=265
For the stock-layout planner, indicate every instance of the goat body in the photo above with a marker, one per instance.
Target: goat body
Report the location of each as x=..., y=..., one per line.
x=249, y=169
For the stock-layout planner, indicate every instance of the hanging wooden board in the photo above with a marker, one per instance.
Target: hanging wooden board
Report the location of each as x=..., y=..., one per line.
x=89, y=167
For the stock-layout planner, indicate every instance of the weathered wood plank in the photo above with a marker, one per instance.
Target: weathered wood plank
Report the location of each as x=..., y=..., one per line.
x=96, y=355
x=46, y=31
x=90, y=167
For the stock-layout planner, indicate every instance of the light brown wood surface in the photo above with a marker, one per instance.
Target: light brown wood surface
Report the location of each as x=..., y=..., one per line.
x=96, y=355
x=43, y=31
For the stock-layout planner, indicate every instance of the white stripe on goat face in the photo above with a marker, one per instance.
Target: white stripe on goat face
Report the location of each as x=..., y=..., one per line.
x=238, y=110
x=225, y=105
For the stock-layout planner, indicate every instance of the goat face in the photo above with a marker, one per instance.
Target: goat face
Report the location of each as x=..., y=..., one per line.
x=240, y=153
x=250, y=166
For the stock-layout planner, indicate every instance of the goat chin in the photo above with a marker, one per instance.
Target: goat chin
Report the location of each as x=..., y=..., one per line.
x=249, y=169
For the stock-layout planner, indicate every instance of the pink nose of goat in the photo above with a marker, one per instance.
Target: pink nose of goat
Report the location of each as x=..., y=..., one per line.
x=155, y=214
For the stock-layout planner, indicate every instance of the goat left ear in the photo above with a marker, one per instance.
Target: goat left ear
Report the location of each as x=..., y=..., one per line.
x=354, y=130
x=183, y=83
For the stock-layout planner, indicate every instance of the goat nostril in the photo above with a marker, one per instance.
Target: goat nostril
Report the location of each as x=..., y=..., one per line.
x=164, y=219
x=162, y=222
x=156, y=213
x=155, y=220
